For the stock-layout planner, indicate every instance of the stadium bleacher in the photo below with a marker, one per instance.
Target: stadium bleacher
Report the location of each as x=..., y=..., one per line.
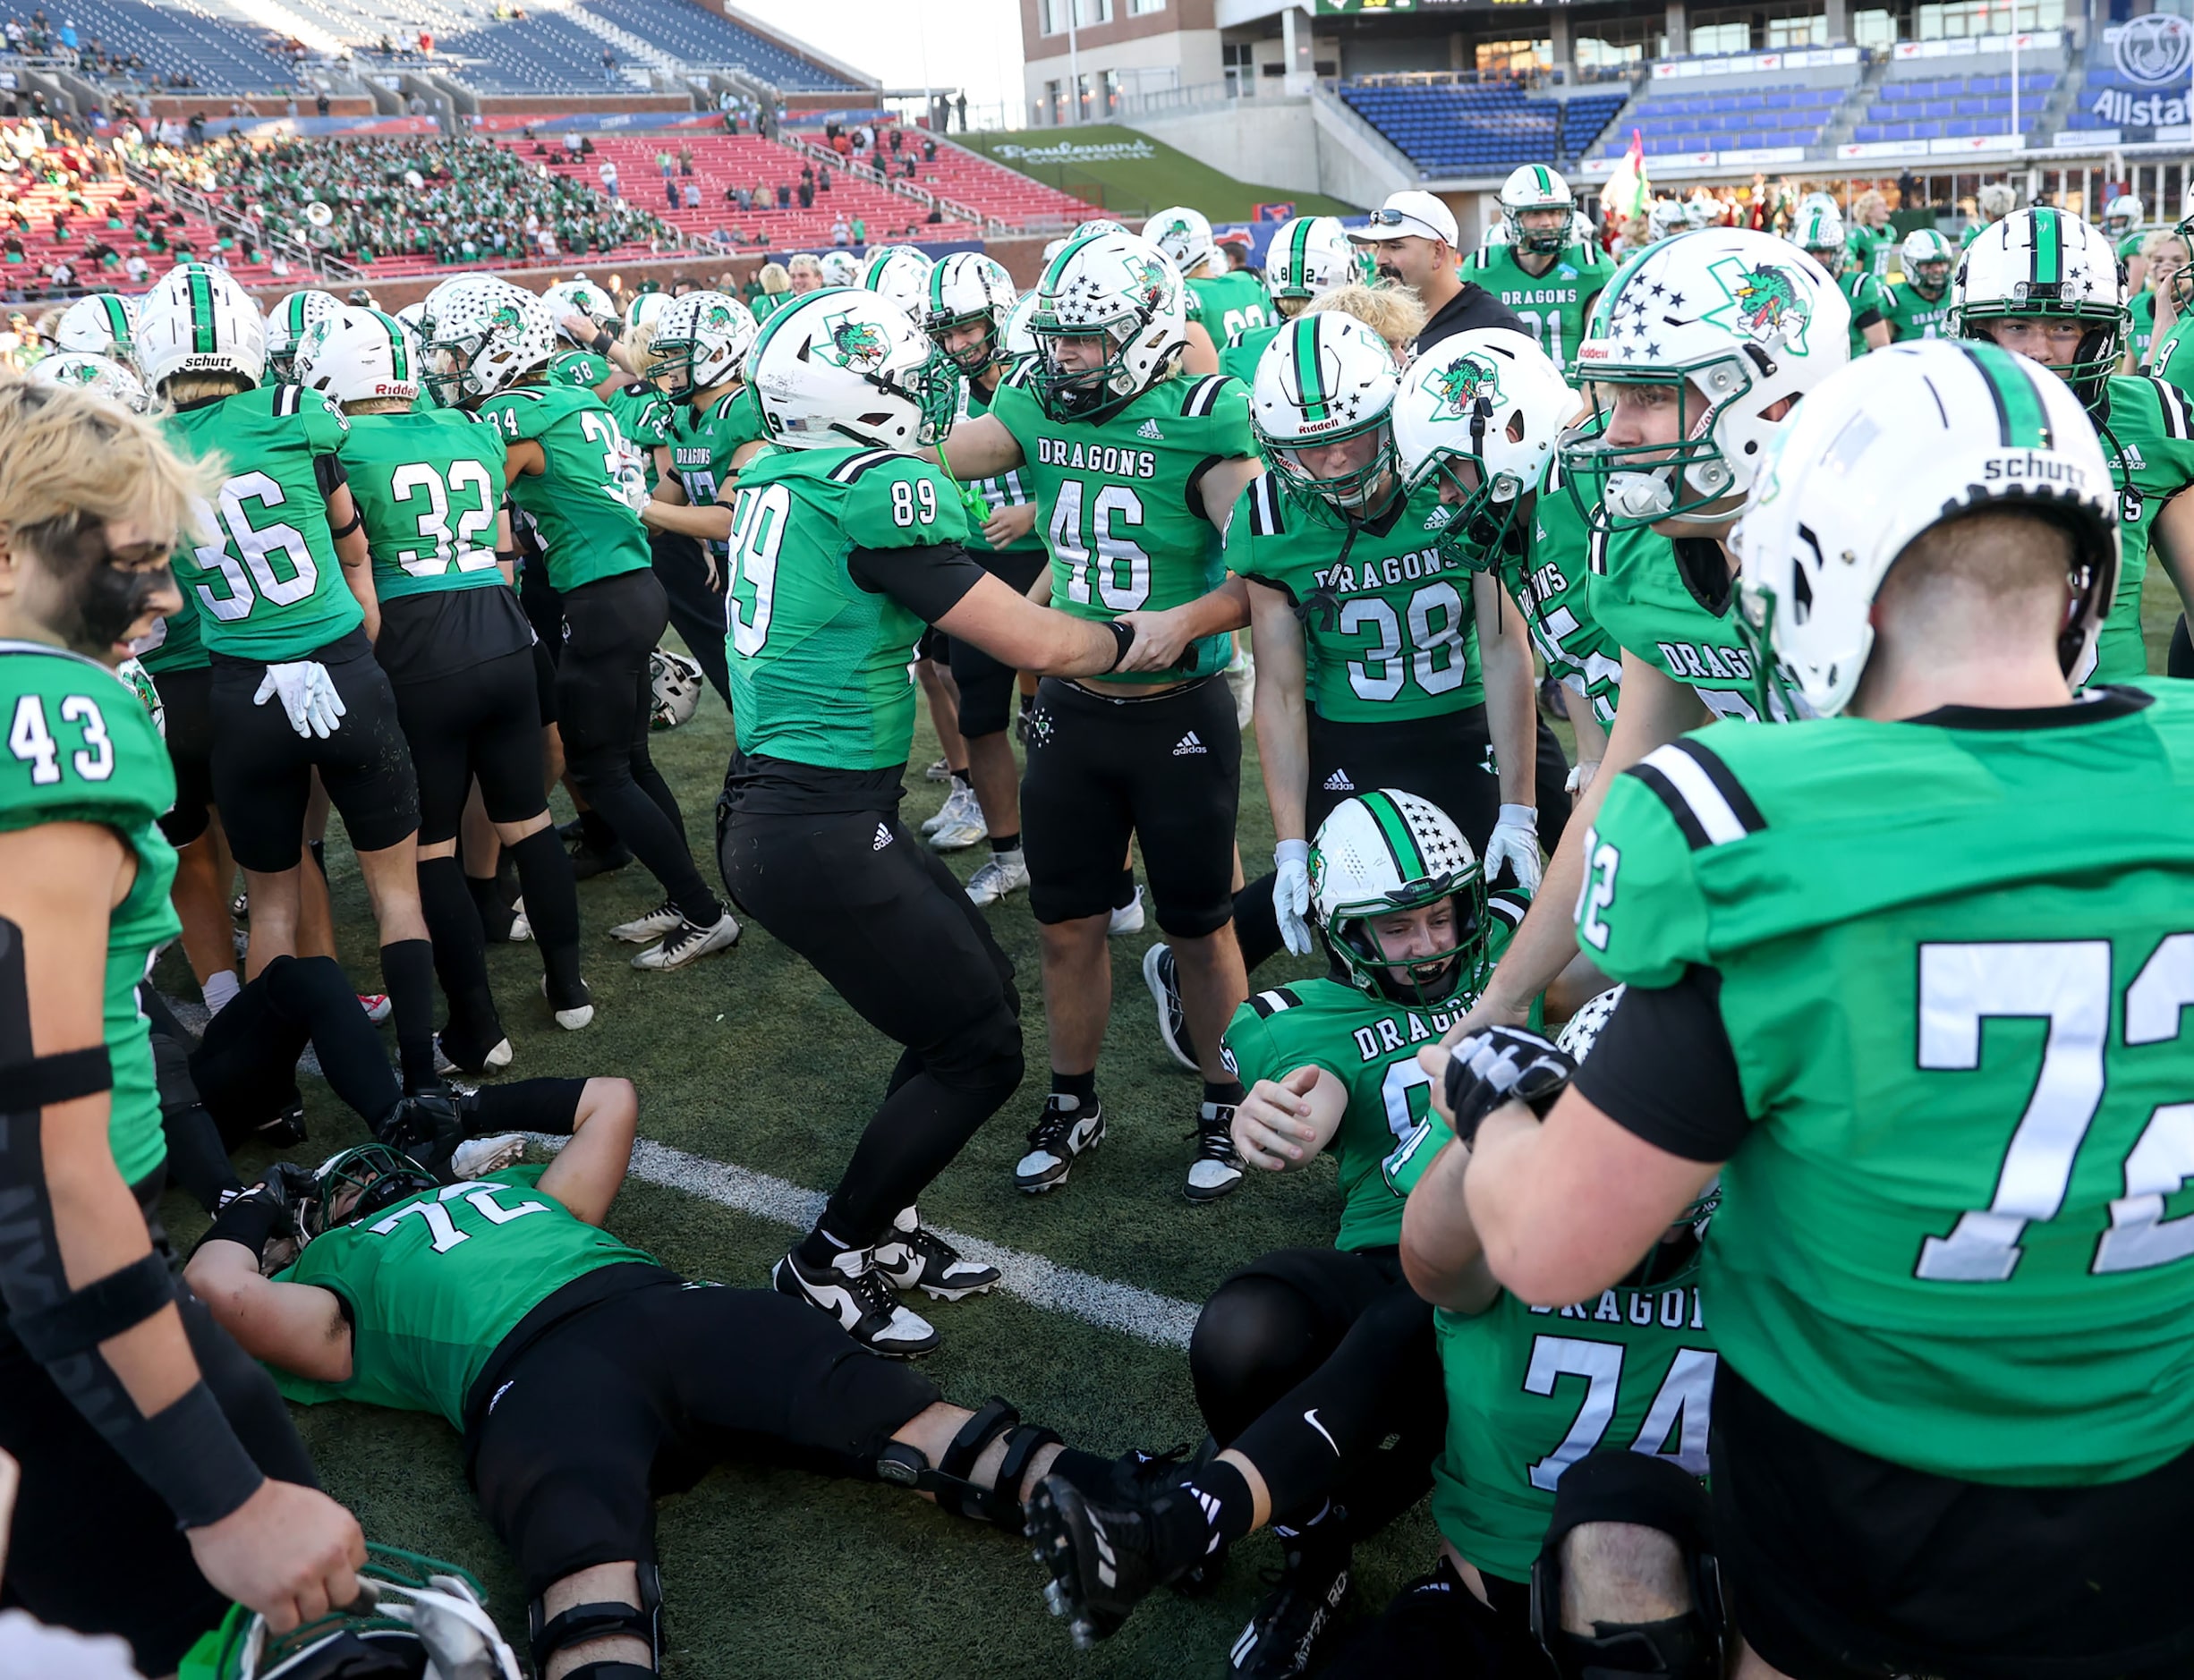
x=540, y=53
x=220, y=54
x=1742, y=118
x=1447, y=129
x=699, y=36
x=1950, y=108
x=1004, y=194
x=2108, y=100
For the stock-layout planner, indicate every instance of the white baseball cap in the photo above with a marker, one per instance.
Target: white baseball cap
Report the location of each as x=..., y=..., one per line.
x=1408, y=216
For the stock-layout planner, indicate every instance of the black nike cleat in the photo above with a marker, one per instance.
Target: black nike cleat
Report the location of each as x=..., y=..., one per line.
x=1295, y=1626
x=1106, y=1556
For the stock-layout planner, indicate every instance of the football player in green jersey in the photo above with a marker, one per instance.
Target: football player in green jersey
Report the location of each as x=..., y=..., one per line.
x=1704, y=344
x=1951, y=1299
x=695, y=352
x=1820, y=236
x=117, y=1395
x=586, y=1378
x=1136, y=470
x=1991, y=204
x=970, y=298
x=2164, y=252
x=1305, y=256
x=1919, y=305
x=287, y=323
x=1871, y=242
x=2044, y=282
x=283, y=589
x=1185, y=235
x=1550, y=270
x=844, y=545
x=580, y=485
x=2121, y=225
x=459, y=653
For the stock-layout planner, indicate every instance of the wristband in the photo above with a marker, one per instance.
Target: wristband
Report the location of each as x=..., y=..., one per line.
x=1123, y=638
x=1291, y=852
x=603, y=340
x=189, y=1455
x=248, y=1220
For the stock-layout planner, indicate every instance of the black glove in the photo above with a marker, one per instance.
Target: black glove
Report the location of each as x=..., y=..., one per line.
x=1503, y=1064
x=249, y=1217
x=425, y=1126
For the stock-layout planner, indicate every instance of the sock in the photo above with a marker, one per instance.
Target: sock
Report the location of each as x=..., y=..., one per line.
x=1326, y=1517
x=486, y=900
x=551, y=905
x=548, y=1105
x=1004, y=842
x=818, y=1247
x=959, y=781
x=1223, y=1094
x=1222, y=1502
x=407, y=970
x=459, y=951
x=595, y=830
x=1123, y=894
x=319, y=848
x=1256, y=923
x=2180, y=660
x=1080, y=1087
x=220, y=989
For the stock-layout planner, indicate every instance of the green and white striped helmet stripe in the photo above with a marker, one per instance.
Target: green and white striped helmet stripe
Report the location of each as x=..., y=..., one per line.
x=1394, y=829
x=1298, y=253
x=294, y=316
x=1072, y=246
x=2022, y=417
x=399, y=349
x=2048, y=257
x=1309, y=377
x=117, y=318
x=1546, y=181
x=201, y=315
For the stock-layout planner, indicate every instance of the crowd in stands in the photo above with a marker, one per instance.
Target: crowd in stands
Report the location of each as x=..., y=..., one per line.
x=80, y=235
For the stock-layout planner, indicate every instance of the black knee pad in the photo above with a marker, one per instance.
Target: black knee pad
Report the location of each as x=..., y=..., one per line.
x=549, y=1635
x=1252, y=1340
x=1617, y=1485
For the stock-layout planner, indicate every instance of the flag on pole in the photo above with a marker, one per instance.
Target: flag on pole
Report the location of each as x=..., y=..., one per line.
x=1628, y=193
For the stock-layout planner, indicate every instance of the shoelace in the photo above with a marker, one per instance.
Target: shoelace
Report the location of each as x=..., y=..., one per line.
x=684, y=934
x=1051, y=1127
x=870, y=1288
x=1215, y=1138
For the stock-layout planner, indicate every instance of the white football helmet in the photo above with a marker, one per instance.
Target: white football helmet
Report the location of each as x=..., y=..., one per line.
x=1325, y=381
x=445, y=294
x=967, y=288
x=1307, y=256
x=1183, y=234
x=902, y=274
x=412, y=1615
x=102, y=376
x=1480, y=413
x=1095, y=225
x=1884, y=451
x=643, y=310
x=199, y=319
x=1820, y=234
x=412, y=314
x=1387, y=851
x=1119, y=288
x=356, y=355
x=1665, y=220
x=1741, y=320
x=581, y=297
x=850, y=367
x=2122, y=216
x=288, y=322
x=99, y=326
x=2047, y=262
x=1536, y=187
x=840, y=268
x=674, y=680
x=700, y=343
x=1926, y=259
x=1020, y=340
x=485, y=338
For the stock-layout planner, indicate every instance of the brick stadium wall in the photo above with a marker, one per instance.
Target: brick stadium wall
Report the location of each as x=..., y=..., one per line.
x=214, y=106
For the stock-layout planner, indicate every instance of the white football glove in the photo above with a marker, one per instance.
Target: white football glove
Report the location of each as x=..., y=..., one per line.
x=307, y=696
x=1291, y=894
x=1515, y=841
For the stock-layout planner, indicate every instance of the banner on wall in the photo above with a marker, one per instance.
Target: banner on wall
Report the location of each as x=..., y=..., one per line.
x=595, y=121
x=285, y=127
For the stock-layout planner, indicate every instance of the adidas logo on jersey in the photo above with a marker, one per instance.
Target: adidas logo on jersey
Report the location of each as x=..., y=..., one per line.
x=1188, y=744
x=1338, y=783
x=883, y=838
x=1149, y=428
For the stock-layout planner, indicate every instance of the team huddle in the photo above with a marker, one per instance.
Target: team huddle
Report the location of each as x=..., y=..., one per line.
x=1761, y=1129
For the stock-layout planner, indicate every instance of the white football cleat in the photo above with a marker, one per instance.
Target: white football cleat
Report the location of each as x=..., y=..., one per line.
x=689, y=942
x=1005, y=872
x=648, y=928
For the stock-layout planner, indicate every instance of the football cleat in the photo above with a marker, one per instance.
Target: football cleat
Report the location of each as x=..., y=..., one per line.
x=1127, y=918
x=952, y=810
x=964, y=828
x=1005, y=872
x=475, y=1158
x=914, y=1257
x=1106, y=1556
x=648, y=928
x=856, y=1294
x=587, y=863
x=1217, y=1169
x=453, y=1055
x=1295, y=1626
x=1164, y=981
x=504, y=924
x=1059, y=1137
x=574, y=1011
x=376, y=1005
x=689, y=942
x=938, y=772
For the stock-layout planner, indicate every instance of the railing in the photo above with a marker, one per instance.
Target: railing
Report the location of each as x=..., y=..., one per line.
x=952, y=209
x=324, y=264
x=1196, y=96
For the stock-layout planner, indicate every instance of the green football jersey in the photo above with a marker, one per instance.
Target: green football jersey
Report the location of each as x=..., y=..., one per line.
x=433, y=1285
x=1010, y=489
x=429, y=487
x=262, y=569
x=1866, y=295
x=580, y=368
x=820, y=664
x=2140, y=329
x=1554, y=305
x=1371, y=1047
x=583, y=508
x=1951, y=978
x=81, y=748
x=644, y=414
x=1241, y=353
x=703, y=439
x=2129, y=246
x=1869, y=250
x=1230, y=303
x=1911, y=316
x=2171, y=361
x=2149, y=437
x=1117, y=516
x=1550, y=582
x=1389, y=630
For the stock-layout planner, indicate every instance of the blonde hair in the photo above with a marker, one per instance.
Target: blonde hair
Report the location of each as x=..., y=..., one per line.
x=2157, y=239
x=638, y=339
x=197, y=387
x=1996, y=200
x=1393, y=312
x=805, y=264
x=66, y=452
x=378, y=405
x=1867, y=200
x=774, y=279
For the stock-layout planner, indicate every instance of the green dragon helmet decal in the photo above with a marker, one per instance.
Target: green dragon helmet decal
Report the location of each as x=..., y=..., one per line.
x=1764, y=303
x=1156, y=285
x=1463, y=384
x=856, y=345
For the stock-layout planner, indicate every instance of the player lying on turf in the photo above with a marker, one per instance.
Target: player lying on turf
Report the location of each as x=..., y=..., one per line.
x=500, y=1303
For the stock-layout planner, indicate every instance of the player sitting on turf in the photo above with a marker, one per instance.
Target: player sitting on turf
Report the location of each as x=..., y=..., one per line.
x=1309, y=1358
x=586, y=1377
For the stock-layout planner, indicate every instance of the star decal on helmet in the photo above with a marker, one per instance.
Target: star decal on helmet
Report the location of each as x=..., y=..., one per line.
x=1764, y=304
x=1458, y=388
x=857, y=346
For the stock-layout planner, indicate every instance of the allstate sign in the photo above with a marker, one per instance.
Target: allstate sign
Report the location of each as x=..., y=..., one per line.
x=2153, y=51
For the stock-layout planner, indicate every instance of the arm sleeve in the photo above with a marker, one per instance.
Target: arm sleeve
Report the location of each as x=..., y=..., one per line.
x=1663, y=1069
x=927, y=581
x=330, y=473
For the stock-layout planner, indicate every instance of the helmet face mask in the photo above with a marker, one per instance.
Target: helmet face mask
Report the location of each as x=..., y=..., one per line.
x=1479, y=416
x=1350, y=472
x=485, y=341
x=969, y=292
x=1537, y=207
x=1683, y=476
x=1120, y=301
x=2043, y=266
x=697, y=345
x=359, y=1183
x=1386, y=857
x=1321, y=403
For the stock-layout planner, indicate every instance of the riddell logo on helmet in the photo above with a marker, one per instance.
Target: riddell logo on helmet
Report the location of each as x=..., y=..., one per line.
x=2033, y=469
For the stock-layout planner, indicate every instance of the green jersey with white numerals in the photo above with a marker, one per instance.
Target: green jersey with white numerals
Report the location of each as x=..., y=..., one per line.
x=1230, y=303
x=583, y=507
x=433, y=1285
x=1115, y=498
x=1867, y=296
x=1869, y=250
x=644, y=414
x=2140, y=329
x=266, y=581
x=2147, y=431
x=582, y=369
x=1371, y=1047
x=703, y=439
x=1912, y=314
x=1010, y=489
x=81, y=748
x=819, y=664
x=1554, y=305
x=1389, y=630
x=1953, y=974
x=1550, y=583
x=429, y=487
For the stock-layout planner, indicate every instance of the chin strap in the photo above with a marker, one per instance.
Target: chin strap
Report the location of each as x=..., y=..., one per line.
x=948, y=1482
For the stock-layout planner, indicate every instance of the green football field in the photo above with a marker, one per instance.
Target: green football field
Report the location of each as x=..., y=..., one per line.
x=750, y=1059
x=1131, y=174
